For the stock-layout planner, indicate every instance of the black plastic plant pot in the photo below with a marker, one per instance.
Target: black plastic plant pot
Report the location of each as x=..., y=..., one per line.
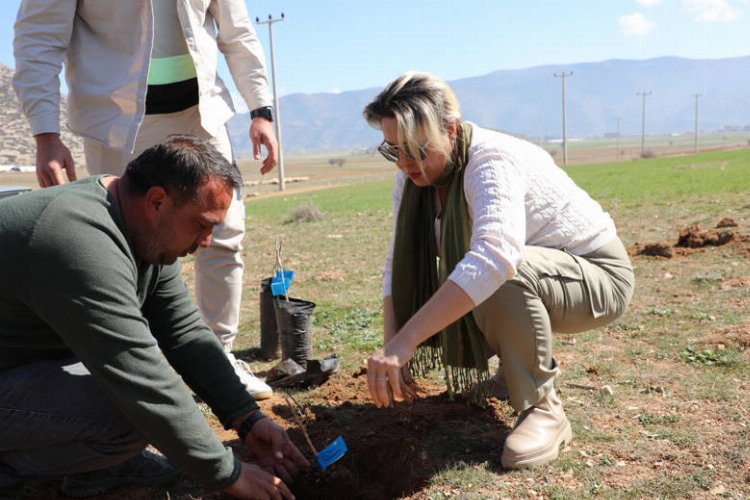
x=294, y=321
x=270, y=346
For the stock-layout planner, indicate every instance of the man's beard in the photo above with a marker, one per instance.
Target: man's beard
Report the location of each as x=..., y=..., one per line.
x=149, y=248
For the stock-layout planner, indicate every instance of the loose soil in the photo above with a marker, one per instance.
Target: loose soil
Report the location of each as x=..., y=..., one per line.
x=392, y=453
x=693, y=237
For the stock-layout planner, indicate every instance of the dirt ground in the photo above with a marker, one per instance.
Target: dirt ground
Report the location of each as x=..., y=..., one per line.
x=396, y=452
x=392, y=453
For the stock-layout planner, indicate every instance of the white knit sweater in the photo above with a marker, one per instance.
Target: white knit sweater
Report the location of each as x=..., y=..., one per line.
x=516, y=196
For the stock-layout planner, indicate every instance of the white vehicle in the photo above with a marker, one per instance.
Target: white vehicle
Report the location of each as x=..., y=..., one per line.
x=7, y=191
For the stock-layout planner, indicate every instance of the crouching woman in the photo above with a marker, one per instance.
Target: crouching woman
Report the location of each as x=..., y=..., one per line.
x=494, y=247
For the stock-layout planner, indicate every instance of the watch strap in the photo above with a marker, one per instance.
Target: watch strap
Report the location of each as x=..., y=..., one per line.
x=263, y=112
x=247, y=425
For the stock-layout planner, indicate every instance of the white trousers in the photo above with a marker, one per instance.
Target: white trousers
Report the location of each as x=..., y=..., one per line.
x=219, y=267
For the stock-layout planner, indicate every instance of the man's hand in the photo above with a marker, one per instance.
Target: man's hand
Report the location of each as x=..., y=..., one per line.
x=52, y=157
x=273, y=450
x=261, y=132
x=256, y=483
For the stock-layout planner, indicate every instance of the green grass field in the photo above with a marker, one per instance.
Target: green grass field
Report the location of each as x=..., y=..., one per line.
x=677, y=421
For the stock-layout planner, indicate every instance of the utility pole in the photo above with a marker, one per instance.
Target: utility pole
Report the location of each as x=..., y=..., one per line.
x=697, y=96
x=643, y=94
x=276, y=109
x=562, y=76
x=619, y=119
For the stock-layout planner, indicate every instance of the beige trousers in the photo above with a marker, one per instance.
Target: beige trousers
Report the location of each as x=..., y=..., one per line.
x=218, y=268
x=552, y=291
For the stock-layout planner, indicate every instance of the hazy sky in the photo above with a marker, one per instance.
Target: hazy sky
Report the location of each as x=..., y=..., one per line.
x=340, y=45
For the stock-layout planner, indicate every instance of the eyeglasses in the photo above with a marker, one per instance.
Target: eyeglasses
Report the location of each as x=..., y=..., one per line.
x=391, y=152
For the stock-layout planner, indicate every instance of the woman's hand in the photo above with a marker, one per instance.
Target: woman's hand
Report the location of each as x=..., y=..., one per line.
x=388, y=377
x=384, y=374
x=274, y=451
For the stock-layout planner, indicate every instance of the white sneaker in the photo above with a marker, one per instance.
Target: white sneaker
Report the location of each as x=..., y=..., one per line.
x=255, y=386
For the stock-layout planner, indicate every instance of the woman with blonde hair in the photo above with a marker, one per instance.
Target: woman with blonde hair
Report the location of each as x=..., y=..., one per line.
x=493, y=248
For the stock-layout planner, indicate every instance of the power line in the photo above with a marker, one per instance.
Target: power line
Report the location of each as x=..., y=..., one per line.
x=643, y=94
x=618, y=119
x=562, y=76
x=276, y=109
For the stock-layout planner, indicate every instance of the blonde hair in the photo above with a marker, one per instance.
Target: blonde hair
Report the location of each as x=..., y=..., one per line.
x=420, y=103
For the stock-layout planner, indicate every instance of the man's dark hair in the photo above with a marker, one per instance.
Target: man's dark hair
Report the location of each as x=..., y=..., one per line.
x=181, y=164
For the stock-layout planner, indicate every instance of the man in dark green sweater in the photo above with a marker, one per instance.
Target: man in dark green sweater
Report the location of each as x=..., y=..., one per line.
x=98, y=335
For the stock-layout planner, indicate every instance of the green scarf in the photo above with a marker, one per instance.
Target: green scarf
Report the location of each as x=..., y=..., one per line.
x=419, y=270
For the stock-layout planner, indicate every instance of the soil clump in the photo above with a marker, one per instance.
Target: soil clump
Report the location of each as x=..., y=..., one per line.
x=692, y=238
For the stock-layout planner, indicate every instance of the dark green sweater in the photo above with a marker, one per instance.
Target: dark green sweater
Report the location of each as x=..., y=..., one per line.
x=71, y=286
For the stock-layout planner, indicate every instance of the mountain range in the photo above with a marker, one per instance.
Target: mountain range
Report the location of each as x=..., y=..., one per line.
x=525, y=102
x=528, y=102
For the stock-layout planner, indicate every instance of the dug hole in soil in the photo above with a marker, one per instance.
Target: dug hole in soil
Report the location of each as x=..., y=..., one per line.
x=392, y=452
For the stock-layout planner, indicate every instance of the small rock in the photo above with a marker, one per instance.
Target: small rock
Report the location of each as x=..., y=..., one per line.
x=605, y=389
x=717, y=490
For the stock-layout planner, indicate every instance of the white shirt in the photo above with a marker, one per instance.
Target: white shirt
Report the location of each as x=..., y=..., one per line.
x=516, y=196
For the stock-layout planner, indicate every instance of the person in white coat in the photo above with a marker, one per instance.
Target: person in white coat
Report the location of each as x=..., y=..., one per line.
x=137, y=72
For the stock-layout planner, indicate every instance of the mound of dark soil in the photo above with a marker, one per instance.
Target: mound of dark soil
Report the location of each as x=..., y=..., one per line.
x=726, y=222
x=654, y=250
x=693, y=237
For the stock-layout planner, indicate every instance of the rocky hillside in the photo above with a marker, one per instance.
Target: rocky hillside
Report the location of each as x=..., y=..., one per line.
x=16, y=143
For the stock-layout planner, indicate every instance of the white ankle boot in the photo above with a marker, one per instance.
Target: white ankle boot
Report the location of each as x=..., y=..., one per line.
x=538, y=434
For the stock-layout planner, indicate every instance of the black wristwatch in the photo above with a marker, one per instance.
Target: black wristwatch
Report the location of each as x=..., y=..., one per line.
x=264, y=112
x=247, y=425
